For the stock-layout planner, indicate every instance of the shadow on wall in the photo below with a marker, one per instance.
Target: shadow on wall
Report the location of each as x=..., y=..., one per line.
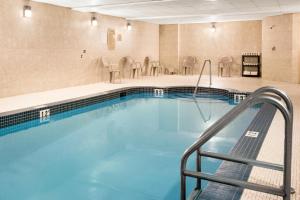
x=93, y=70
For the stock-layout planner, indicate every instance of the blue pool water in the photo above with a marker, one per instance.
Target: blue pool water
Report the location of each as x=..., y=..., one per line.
x=127, y=149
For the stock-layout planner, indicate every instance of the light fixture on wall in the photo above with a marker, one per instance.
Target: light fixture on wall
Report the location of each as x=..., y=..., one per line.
x=213, y=27
x=94, y=21
x=129, y=26
x=27, y=12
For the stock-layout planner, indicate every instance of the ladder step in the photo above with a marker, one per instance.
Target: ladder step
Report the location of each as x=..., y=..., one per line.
x=243, y=160
x=236, y=183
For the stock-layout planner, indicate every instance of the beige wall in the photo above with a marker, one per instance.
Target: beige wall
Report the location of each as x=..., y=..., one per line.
x=168, y=45
x=230, y=39
x=296, y=45
x=43, y=52
x=234, y=38
x=278, y=62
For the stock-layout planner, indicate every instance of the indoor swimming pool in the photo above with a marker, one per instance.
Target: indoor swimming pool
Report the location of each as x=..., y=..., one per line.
x=127, y=148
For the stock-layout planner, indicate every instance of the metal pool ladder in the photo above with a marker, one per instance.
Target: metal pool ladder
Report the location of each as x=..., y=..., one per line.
x=269, y=95
x=200, y=75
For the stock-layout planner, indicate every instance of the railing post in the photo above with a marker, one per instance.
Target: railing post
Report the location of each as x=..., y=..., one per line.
x=198, y=168
x=183, y=186
x=288, y=158
x=210, y=82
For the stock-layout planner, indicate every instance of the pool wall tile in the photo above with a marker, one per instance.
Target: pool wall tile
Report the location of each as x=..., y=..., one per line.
x=32, y=113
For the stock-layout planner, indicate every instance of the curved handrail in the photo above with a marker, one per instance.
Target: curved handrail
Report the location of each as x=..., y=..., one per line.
x=261, y=95
x=280, y=93
x=217, y=126
x=200, y=75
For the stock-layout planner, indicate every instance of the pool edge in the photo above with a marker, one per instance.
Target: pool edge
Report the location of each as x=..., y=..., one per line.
x=18, y=116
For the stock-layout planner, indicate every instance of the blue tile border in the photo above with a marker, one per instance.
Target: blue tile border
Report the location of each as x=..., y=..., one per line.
x=24, y=115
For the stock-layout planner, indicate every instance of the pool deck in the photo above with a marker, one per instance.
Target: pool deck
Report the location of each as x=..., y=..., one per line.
x=246, y=147
x=272, y=148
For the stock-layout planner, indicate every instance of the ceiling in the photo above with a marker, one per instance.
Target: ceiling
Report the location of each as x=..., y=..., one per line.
x=183, y=11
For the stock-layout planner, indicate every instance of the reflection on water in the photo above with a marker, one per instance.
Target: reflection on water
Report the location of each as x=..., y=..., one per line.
x=202, y=114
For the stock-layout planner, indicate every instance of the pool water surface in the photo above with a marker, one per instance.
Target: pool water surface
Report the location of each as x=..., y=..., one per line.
x=128, y=148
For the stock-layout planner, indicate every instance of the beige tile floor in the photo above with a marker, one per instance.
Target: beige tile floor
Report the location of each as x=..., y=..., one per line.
x=272, y=147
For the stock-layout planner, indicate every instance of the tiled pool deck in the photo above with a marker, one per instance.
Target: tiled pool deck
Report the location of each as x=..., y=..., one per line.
x=270, y=150
x=246, y=147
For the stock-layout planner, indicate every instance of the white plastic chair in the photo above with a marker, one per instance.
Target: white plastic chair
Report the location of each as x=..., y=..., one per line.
x=188, y=64
x=114, y=71
x=225, y=62
x=152, y=67
x=135, y=67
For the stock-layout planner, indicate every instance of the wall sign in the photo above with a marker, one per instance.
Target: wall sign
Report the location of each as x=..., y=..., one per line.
x=111, y=39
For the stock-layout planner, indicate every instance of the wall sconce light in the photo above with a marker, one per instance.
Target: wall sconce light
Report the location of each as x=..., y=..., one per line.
x=129, y=26
x=27, y=12
x=94, y=21
x=213, y=27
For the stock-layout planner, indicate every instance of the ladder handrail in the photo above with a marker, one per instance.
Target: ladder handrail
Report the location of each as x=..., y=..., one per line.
x=262, y=95
x=200, y=75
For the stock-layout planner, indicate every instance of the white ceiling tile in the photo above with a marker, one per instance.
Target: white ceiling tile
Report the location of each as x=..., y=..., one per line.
x=183, y=11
